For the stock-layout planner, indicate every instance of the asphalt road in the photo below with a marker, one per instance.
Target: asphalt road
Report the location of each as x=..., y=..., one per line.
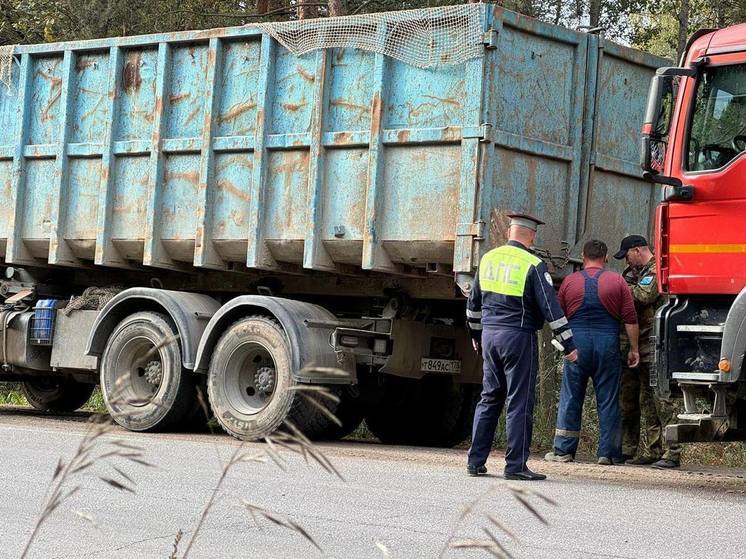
x=393, y=502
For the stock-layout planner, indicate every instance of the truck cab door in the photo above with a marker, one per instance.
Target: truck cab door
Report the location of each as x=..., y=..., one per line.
x=705, y=236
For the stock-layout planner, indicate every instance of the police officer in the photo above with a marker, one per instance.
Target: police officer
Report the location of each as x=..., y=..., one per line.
x=636, y=397
x=511, y=298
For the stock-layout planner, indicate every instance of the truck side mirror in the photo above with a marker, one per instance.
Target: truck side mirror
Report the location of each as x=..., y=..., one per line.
x=661, y=100
x=659, y=113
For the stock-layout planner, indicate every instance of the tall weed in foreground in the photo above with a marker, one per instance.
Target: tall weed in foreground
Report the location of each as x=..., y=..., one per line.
x=96, y=452
x=104, y=456
x=492, y=527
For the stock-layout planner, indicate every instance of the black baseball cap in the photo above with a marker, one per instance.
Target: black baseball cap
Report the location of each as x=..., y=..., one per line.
x=628, y=242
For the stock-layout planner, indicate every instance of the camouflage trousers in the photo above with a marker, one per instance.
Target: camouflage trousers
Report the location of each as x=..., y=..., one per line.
x=637, y=399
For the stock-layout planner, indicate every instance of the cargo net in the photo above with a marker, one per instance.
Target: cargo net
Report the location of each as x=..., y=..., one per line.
x=92, y=299
x=422, y=38
x=6, y=67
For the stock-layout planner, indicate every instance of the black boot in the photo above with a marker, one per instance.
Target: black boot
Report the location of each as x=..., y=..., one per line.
x=476, y=470
x=525, y=475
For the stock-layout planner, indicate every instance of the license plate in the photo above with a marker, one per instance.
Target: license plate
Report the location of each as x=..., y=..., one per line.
x=446, y=366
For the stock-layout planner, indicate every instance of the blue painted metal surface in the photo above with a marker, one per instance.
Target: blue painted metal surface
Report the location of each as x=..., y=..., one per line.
x=220, y=149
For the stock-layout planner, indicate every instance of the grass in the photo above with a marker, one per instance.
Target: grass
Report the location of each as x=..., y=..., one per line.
x=11, y=395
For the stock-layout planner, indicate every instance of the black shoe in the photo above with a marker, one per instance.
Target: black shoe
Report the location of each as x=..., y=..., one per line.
x=664, y=464
x=641, y=461
x=476, y=470
x=626, y=457
x=525, y=475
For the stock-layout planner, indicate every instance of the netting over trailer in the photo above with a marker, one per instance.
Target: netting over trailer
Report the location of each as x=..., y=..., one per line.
x=422, y=38
x=6, y=66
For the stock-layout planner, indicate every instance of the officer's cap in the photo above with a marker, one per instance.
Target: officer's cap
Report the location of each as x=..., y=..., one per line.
x=525, y=220
x=628, y=242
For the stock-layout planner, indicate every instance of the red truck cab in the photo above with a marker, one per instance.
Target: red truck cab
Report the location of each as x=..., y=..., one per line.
x=694, y=144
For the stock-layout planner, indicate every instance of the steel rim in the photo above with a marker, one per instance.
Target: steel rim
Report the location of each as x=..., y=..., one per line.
x=250, y=378
x=138, y=373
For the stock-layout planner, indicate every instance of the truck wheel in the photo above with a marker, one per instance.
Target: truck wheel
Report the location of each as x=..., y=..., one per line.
x=251, y=387
x=143, y=382
x=433, y=411
x=198, y=418
x=350, y=411
x=56, y=394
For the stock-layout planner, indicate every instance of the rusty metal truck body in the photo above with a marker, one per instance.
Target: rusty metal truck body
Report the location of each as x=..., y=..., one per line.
x=284, y=218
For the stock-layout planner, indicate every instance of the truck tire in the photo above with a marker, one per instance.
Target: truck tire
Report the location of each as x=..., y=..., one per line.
x=433, y=411
x=144, y=385
x=350, y=412
x=197, y=420
x=56, y=394
x=251, y=387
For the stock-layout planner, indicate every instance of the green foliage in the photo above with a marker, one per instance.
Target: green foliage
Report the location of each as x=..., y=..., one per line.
x=652, y=26
x=655, y=27
x=11, y=395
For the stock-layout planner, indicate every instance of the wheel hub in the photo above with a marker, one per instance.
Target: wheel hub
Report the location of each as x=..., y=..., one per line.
x=154, y=372
x=264, y=379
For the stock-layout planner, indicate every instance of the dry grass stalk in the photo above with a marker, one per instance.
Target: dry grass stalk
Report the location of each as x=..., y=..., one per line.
x=93, y=451
x=306, y=448
x=385, y=550
x=279, y=520
x=177, y=540
x=240, y=456
x=292, y=440
x=493, y=545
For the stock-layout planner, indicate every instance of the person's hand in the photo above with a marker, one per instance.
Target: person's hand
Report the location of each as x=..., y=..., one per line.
x=633, y=359
x=572, y=357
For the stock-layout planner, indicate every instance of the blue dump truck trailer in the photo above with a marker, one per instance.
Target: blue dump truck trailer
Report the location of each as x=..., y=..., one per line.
x=221, y=217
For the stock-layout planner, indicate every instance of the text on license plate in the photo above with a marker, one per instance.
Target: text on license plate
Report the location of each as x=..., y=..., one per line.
x=448, y=366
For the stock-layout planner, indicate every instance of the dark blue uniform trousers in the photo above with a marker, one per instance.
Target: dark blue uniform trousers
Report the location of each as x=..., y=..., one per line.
x=510, y=365
x=600, y=360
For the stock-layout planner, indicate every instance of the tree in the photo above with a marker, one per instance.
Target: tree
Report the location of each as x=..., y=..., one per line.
x=661, y=26
x=664, y=27
x=337, y=8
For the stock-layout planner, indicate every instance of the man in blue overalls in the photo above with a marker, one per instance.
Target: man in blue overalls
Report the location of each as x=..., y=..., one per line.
x=596, y=301
x=511, y=298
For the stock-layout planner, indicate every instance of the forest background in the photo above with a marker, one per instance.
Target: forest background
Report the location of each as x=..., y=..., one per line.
x=657, y=26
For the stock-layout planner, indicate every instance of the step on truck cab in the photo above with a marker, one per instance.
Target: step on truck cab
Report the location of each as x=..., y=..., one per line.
x=694, y=145
x=217, y=219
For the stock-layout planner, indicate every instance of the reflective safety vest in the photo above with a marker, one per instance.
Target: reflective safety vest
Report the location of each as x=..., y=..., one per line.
x=514, y=289
x=504, y=270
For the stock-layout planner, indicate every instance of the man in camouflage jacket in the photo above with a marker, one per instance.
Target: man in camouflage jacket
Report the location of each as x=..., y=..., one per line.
x=637, y=398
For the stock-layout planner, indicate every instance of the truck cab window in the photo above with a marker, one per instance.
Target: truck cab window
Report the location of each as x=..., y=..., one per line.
x=718, y=126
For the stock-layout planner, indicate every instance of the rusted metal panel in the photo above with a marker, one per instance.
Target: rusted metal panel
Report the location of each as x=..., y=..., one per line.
x=567, y=108
x=220, y=149
x=622, y=78
x=536, y=94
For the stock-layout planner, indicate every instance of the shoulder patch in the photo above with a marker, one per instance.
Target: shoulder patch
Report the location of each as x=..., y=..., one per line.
x=647, y=280
x=548, y=277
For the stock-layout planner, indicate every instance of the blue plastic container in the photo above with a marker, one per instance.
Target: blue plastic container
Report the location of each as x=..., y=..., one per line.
x=42, y=325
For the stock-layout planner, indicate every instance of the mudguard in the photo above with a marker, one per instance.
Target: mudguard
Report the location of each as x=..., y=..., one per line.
x=734, y=337
x=313, y=358
x=190, y=313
